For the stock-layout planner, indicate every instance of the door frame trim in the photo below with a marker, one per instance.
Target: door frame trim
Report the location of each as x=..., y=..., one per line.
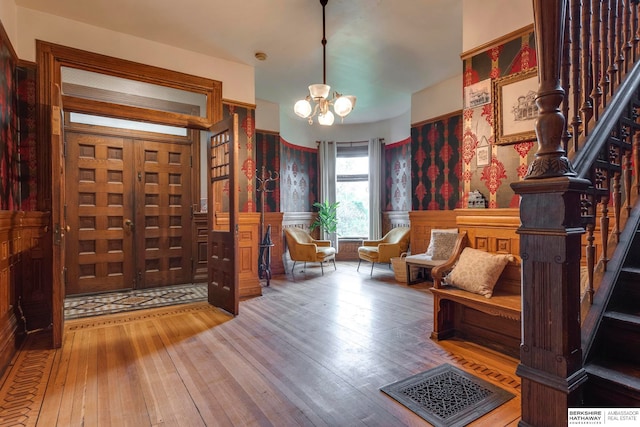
x=49, y=58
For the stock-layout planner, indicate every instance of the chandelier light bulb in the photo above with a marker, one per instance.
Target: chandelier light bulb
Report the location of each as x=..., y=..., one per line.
x=326, y=119
x=342, y=106
x=302, y=108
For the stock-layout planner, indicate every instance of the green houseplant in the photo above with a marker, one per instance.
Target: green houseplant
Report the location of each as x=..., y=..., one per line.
x=327, y=219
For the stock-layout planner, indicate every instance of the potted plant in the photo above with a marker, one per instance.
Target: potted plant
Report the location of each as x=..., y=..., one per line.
x=327, y=219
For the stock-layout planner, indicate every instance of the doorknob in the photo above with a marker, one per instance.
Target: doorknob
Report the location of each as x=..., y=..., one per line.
x=129, y=223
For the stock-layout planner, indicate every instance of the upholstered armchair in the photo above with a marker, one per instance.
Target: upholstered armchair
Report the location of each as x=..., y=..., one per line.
x=393, y=244
x=303, y=247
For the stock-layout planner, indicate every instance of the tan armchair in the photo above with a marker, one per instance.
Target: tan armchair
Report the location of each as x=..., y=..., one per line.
x=393, y=244
x=303, y=247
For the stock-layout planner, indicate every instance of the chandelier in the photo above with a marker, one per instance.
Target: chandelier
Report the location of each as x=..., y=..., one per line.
x=319, y=93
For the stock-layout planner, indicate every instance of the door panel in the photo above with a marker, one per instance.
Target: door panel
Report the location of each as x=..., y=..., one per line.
x=164, y=214
x=99, y=203
x=58, y=217
x=129, y=210
x=222, y=216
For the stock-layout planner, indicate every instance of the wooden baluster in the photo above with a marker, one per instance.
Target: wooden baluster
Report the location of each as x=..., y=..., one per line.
x=627, y=171
x=615, y=46
x=604, y=53
x=576, y=122
x=565, y=78
x=604, y=230
x=636, y=157
x=596, y=92
x=587, y=82
x=635, y=31
x=628, y=36
x=590, y=252
x=617, y=207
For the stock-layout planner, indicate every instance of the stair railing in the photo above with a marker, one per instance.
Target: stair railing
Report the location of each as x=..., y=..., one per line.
x=600, y=76
x=588, y=104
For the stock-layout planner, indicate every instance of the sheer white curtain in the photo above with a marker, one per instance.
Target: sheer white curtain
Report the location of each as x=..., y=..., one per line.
x=327, y=153
x=375, y=166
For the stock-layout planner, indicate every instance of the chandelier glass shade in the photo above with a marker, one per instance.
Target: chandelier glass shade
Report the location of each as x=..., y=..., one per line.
x=317, y=103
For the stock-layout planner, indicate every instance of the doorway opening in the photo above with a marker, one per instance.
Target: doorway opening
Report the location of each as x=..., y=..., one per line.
x=129, y=209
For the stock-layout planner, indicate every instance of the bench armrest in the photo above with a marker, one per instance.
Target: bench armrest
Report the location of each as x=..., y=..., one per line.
x=437, y=273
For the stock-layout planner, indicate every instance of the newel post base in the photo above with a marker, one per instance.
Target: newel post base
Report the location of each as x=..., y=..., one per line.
x=550, y=246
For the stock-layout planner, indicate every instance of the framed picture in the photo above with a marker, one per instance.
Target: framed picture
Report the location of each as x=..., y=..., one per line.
x=477, y=94
x=514, y=106
x=483, y=156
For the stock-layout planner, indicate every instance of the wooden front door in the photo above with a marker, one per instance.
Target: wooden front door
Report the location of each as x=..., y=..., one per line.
x=222, y=193
x=128, y=212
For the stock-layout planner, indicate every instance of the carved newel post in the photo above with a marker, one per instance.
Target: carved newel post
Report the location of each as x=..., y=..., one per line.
x=550, y=246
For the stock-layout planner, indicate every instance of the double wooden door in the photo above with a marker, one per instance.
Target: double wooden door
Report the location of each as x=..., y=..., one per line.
x=128, y=212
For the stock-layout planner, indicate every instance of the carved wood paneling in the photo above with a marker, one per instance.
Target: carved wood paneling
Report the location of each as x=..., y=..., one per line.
x=421, y=224
x=200, y=249
x=495, y=231
x=22, y=278
x=248, y=242
x=275, y=219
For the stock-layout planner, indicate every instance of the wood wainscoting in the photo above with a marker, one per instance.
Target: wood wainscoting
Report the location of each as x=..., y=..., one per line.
x=422, y=222
x=248, y=246
x=23, y=278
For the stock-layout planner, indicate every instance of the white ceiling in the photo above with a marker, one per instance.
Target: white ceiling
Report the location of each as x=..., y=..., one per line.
x=381, y=51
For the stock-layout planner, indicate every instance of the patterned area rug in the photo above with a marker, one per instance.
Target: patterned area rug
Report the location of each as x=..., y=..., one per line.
x=115, y=302
x=447, y=396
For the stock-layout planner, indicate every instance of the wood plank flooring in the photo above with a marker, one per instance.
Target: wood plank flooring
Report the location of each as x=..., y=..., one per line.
x=312, y=351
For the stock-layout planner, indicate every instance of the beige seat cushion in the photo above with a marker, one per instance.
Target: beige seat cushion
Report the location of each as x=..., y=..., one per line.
x=326, y=253
x=424, y=260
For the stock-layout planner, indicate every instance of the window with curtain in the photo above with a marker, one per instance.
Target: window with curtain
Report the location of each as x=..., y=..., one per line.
x=352, y=190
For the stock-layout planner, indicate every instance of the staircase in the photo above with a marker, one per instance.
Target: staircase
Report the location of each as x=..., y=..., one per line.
x=614, y=361
x=588, y=56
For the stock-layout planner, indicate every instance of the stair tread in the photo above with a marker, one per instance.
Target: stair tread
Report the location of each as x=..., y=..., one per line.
x=620, y=314
x=629, y=269
x=624, y=373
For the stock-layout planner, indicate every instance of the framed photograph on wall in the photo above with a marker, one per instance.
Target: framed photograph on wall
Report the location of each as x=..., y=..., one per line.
x=477, y=94
x=483, y=156
x=514, y=106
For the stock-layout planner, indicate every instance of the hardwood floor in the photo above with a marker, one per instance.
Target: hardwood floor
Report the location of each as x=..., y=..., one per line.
x=312, y=351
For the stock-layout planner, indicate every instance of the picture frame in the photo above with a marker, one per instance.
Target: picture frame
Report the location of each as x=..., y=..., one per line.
x=477, y=94
x=483, y=156
x=515, y=110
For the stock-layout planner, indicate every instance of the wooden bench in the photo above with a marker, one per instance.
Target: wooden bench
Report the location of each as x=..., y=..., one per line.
x=492, y=322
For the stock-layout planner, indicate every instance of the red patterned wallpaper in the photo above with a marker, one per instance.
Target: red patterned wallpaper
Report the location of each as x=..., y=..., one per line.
x=435, y=163
x=246, y=156
x=505, y=163
x=298, y=177
x=397, y=173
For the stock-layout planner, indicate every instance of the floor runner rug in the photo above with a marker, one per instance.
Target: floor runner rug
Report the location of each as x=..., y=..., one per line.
x=115, y=302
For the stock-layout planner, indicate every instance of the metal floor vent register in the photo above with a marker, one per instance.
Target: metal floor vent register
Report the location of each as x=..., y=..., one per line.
x=447, y=396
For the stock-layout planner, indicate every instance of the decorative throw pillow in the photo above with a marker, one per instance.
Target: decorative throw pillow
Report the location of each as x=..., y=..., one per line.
x=431, y=241
x=477, y=271
x=443, y=243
